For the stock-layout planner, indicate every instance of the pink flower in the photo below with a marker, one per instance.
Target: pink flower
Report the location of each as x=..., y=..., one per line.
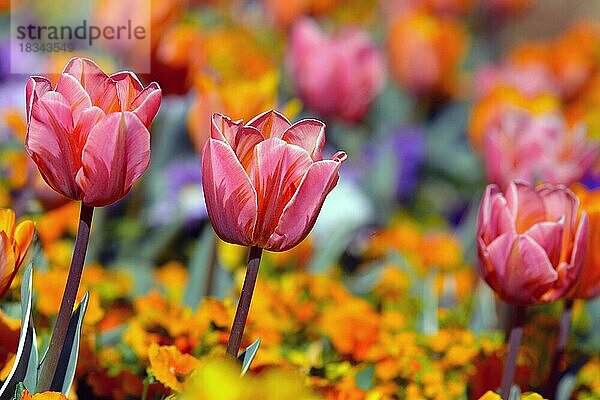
x=89, y=136
x=265, y=182
x=531, y=241
x=536, y=148
x=337, y=75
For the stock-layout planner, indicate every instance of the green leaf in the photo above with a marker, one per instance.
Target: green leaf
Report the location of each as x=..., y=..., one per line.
x=429, y=316
x=515, y=393
x=364, y=379
x=19, y=391
x=25, y=367
x=200, y=268
x=65, y=370
x=565, y=387
x=248, y=355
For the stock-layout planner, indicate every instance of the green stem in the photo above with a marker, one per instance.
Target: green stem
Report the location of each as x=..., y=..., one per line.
x=241, y=314
x=510, y=365
x=59, y=334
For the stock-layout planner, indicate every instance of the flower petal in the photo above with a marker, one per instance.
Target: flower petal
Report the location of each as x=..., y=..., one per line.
x=75, y=94
x=276, y=171
x=23, y=237
x=116, y=154
x=51, y=146
x=308, y=134
x=549, y=236
x=270, y=124
x=133, y=96
x=525, y=204
x=7, y=263
x=300, y=214
x=529, y=274
x=102, y=89
x=36, y=87
x=229, y=195
x=7, y=221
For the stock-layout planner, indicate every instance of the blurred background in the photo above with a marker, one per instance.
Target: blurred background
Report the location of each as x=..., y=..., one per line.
x=412, y=90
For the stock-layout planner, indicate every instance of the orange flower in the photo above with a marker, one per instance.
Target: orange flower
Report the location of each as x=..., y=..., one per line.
x=353, y=328
x=14, y=242
x=169, y=366
x=425, y=52
x=43, y=396
x=588, y=282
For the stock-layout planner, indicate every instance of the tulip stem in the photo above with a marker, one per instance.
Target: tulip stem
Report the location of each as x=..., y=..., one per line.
x=510, y=365
x=559, y=352
x=61, y=326
x=241, y=314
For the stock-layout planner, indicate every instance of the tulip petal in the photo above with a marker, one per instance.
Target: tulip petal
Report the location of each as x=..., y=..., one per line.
x=270, y=124
x=144, y=102
x=7, y=221
x=525, y=204
x=528, y=274
x=7, y=263
x=87, y=121
x=36, y=87
x=50, y=144
x=276, y=172
x=224, y=128
x=300, y=214
x=229, y=195
x=549, y=236
x=23, y=237
x=102, y=89
x=308, y=134
x=75, y=94
x=115, y=155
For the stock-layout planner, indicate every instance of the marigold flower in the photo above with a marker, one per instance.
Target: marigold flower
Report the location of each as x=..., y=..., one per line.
x=531, y=241
x=14, y=242
x=169, y=366
x=43, y=396
x=265, y=182
x=89, y=135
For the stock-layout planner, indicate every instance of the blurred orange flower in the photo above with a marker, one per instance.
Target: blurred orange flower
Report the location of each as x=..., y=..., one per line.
x=425, y=52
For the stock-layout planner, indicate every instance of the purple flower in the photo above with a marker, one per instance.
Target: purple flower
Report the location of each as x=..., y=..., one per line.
x=182, y=195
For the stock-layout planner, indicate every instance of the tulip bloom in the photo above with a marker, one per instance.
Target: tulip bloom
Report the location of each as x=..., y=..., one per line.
x=89, y=136
x=14, y=242
x=265, y=182
x=588, y=283
x=531, y=241
x=336, y=75
x=536, y=147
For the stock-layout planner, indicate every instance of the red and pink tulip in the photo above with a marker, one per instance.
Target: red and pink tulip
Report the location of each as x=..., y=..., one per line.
x=265, y=182
x=531, y=241
x=535, y=148
x=89, y=135
x=335, y=75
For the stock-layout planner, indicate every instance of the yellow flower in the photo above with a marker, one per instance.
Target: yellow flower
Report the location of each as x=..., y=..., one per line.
x=14, y=242
x=220, y=380
x=169, y=366
x=489, y=395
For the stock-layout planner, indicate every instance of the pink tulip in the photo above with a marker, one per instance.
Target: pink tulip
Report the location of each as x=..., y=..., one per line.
x=337, y=75
x=531, y=241
x=265, y=182
x=536, y=148
x=89, y=136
